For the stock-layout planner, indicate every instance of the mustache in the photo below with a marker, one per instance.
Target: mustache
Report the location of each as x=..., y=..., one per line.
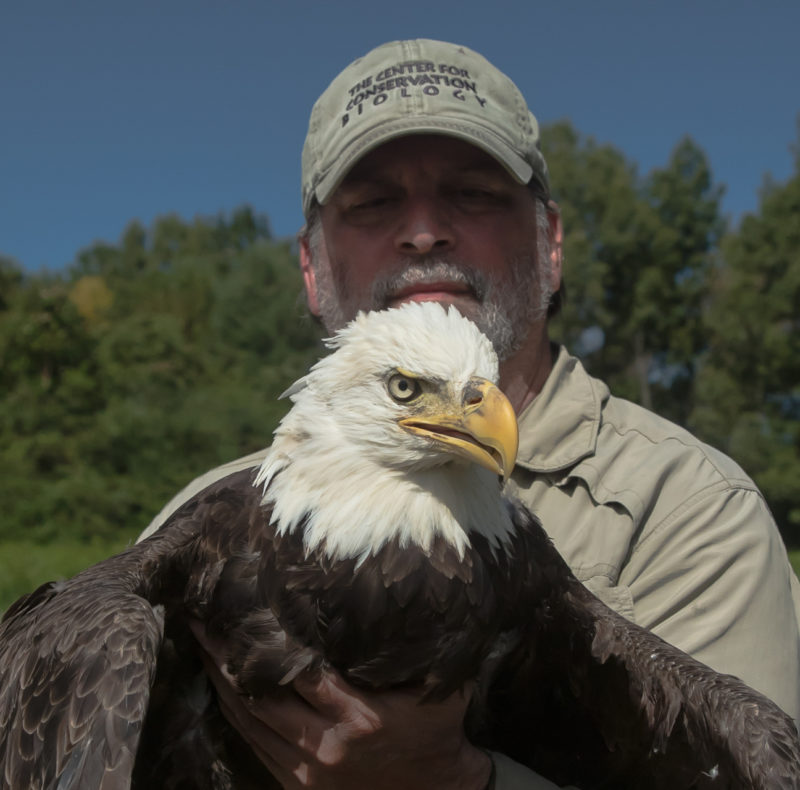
x=432, y=271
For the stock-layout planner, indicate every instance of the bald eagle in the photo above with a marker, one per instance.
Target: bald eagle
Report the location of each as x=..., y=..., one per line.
x=374, y=539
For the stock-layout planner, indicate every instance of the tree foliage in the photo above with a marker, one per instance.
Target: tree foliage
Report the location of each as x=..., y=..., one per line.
x=638, y=252
x=144, y=363
x=748, y=386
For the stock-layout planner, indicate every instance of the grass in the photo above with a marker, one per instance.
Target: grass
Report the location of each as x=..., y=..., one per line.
x=794, y=558
x=24, y=565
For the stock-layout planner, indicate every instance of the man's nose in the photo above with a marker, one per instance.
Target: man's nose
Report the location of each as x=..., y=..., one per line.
x=425, y=228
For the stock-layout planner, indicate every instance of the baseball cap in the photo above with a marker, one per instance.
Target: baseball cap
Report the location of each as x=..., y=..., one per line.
x=415, y=87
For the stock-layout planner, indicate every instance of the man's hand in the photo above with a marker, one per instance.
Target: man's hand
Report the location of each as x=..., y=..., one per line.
x=327, y=734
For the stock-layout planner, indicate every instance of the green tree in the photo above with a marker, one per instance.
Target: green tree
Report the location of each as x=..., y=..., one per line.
x=748, y=387
x=140, y=366
x=10, y=280
x=637, y=255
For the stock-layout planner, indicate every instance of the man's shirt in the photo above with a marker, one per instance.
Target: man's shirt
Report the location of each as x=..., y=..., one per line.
x=666, y=530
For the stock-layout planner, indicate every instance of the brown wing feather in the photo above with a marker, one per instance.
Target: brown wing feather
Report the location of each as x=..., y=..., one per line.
x=592, y=700
x=78, y=658
x=75, y=674
x=733, y=734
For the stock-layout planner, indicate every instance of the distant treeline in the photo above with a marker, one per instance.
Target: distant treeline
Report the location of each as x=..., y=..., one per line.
x=147, y=362
x=142, y=365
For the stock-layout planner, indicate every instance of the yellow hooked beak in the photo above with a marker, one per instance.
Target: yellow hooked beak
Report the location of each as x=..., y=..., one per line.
x=482, y=428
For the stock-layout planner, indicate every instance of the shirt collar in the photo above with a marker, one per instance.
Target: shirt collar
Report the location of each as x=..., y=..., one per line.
x=559, y=426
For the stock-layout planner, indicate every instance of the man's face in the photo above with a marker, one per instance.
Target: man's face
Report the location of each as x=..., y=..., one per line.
x=427, y=217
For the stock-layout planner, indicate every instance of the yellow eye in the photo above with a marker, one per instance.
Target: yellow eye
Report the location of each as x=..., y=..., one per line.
x=403, y=388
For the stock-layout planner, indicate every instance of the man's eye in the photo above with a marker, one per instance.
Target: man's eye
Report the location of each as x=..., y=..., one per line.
x=371, y=203
x=477, y=198
x=476, y=193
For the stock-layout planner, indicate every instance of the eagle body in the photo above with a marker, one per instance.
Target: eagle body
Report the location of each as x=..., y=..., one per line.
x=403, y=617
x=375, y=540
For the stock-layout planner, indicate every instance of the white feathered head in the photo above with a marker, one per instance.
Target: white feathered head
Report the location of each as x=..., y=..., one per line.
x=400, y=432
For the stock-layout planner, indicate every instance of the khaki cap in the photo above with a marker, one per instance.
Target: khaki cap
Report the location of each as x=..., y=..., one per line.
x=416, y=87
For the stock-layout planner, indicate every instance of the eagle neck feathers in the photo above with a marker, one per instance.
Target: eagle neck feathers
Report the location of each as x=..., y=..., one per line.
x=364, y=505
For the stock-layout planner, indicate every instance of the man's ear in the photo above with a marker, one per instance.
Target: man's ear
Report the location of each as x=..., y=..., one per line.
x=309, y=277
x=556, y=243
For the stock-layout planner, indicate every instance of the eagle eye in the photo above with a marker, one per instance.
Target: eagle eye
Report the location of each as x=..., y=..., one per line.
x=403, y=388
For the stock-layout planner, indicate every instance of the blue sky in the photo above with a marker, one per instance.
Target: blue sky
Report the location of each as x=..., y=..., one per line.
x=114, y=111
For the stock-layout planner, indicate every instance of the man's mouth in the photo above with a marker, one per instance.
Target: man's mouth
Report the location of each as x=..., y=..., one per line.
x=431, y=292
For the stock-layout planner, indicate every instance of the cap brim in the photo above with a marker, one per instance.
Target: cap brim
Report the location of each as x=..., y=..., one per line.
x=475, y=134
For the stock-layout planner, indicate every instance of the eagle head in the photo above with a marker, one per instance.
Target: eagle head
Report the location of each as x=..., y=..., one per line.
x=401, y=433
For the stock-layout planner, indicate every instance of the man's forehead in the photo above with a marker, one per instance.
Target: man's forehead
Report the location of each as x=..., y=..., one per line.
x=437, y=153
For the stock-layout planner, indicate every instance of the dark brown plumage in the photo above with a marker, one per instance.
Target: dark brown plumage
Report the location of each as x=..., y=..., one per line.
x=101, y=685
x=580, y=694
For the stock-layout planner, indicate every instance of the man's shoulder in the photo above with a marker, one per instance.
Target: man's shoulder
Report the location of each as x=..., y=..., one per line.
x=631, y=435
x=604, y=474
x=199, y=483
x=576, y=422
x=624, y=454
x=654, y=468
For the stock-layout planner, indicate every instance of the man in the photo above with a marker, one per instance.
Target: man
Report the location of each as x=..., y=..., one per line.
x=423, y=179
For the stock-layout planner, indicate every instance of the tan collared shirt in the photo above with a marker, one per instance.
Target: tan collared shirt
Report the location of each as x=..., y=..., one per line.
x=666, y=530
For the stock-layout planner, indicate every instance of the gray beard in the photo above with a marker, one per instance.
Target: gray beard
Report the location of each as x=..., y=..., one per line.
x=504, y=310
